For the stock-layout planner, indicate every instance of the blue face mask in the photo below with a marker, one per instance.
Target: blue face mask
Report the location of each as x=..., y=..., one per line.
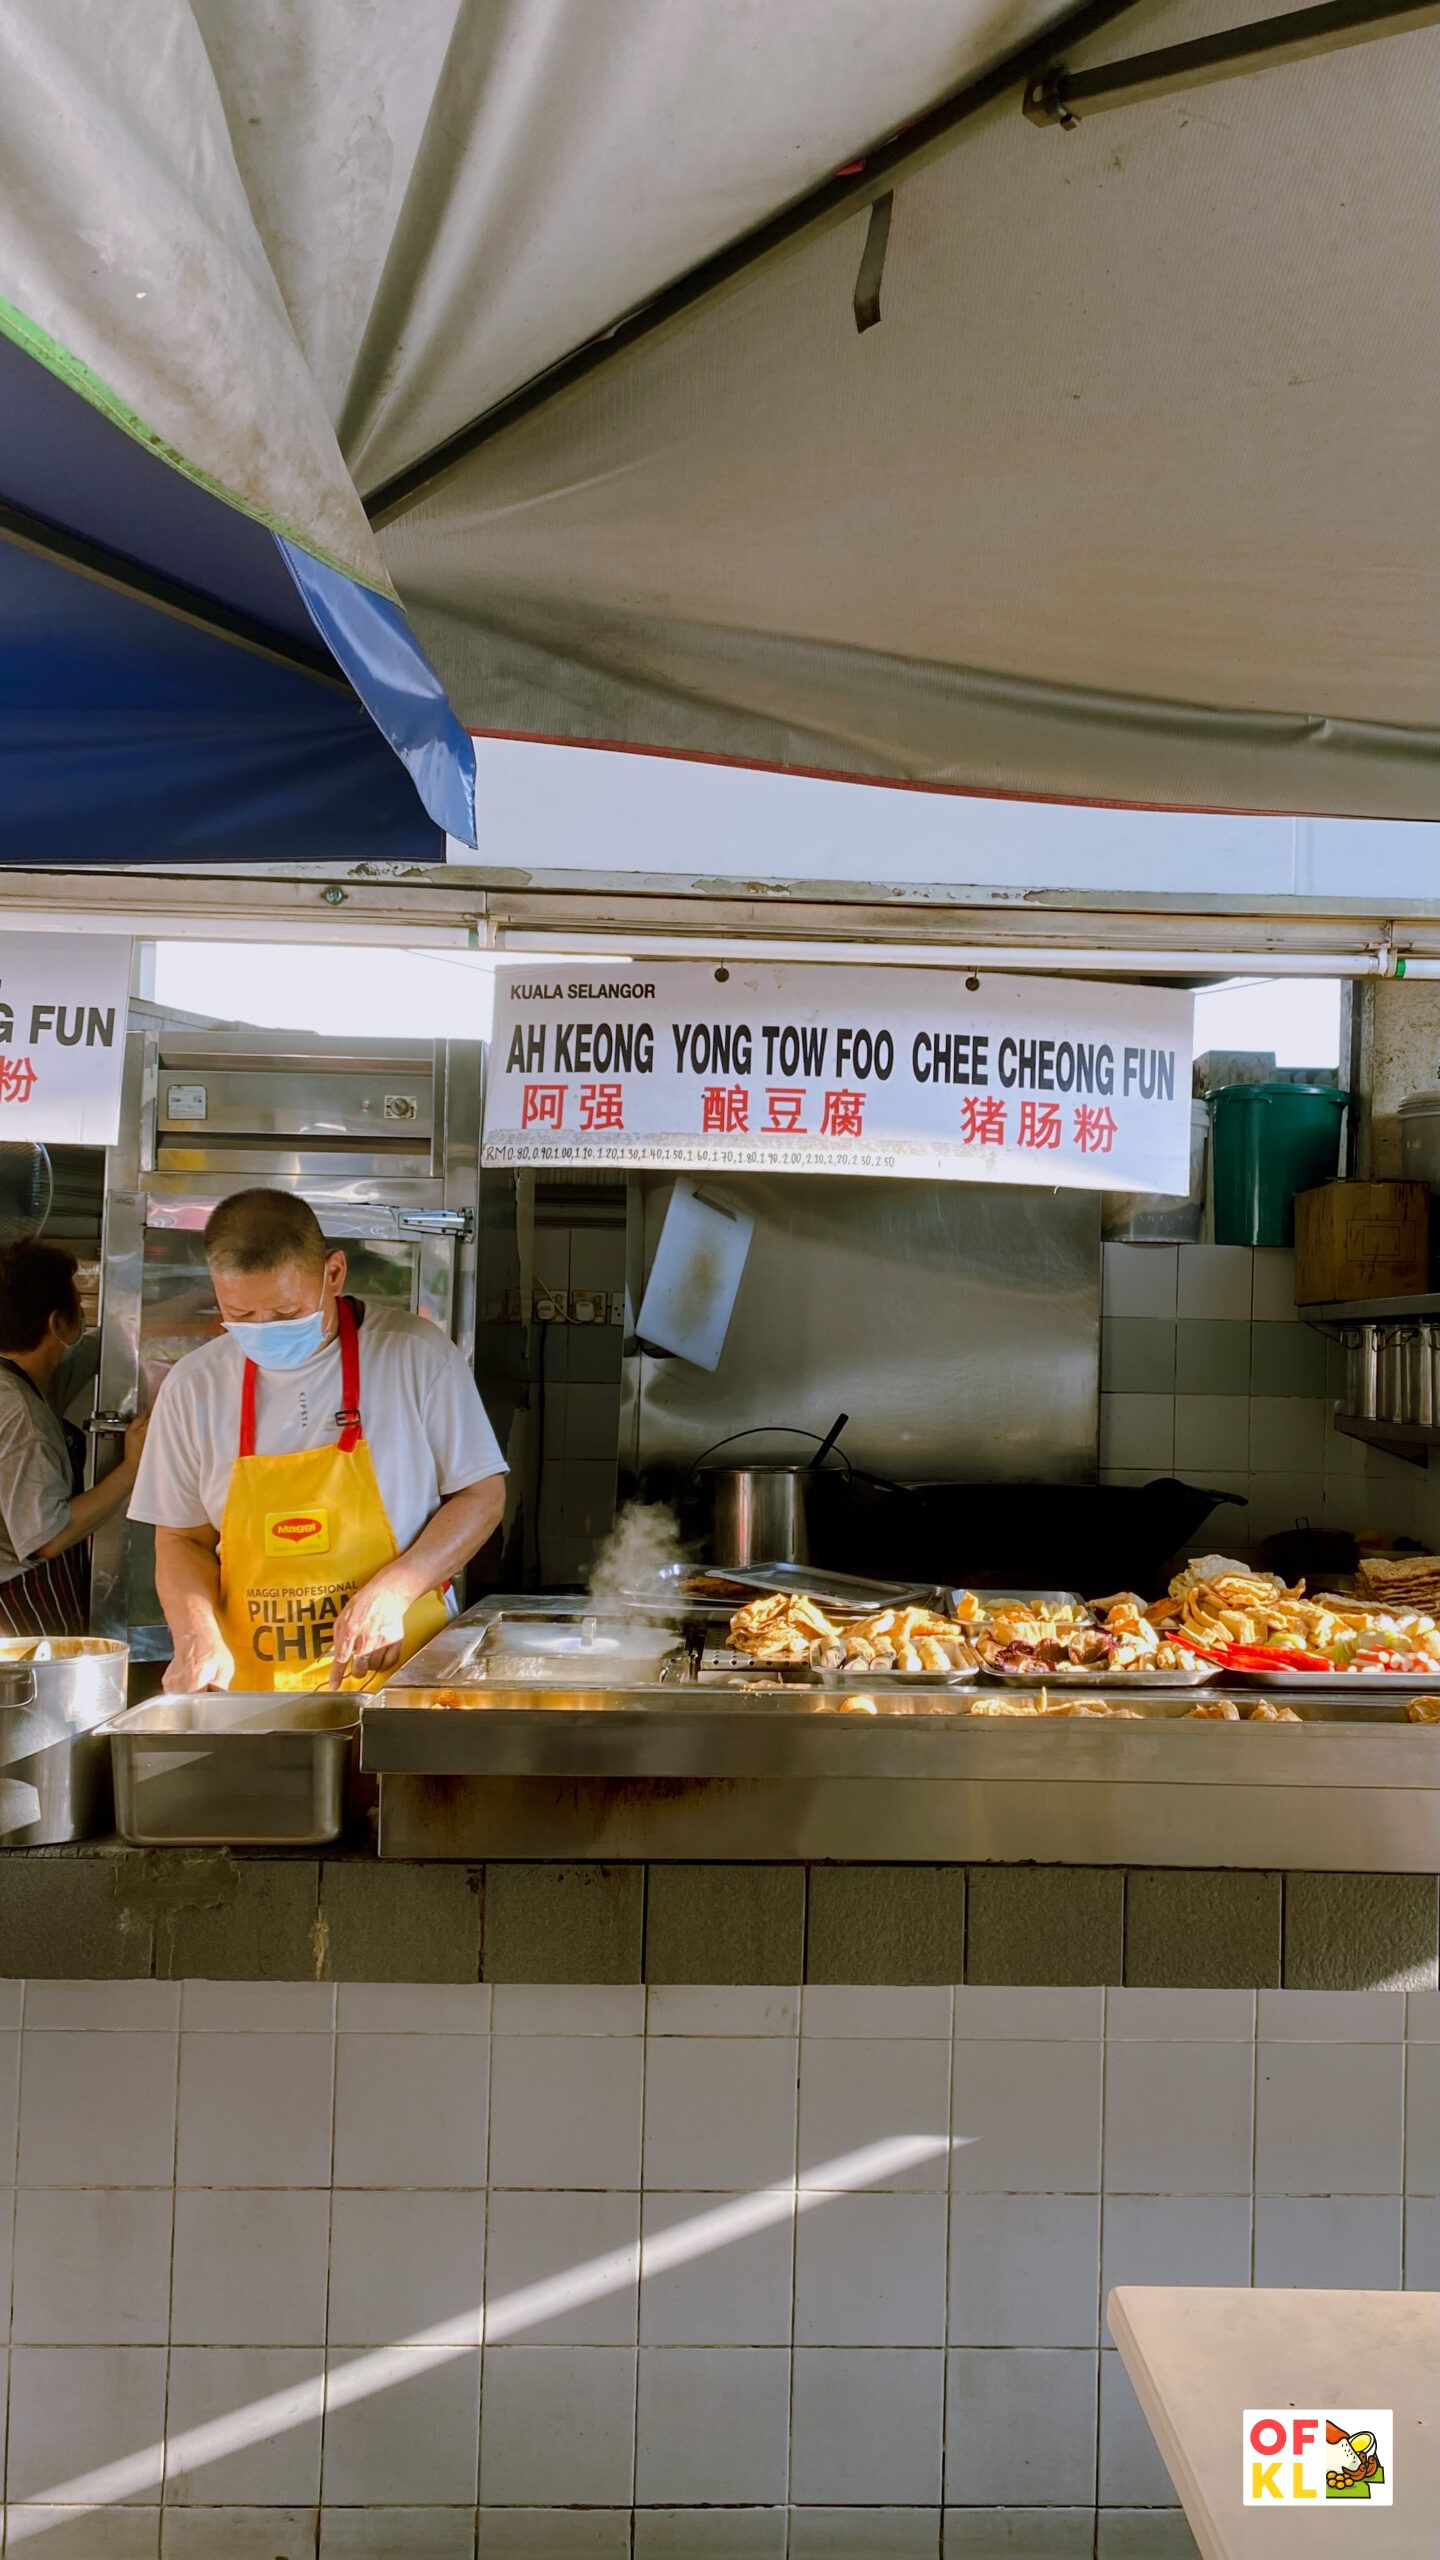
x=287, y=1342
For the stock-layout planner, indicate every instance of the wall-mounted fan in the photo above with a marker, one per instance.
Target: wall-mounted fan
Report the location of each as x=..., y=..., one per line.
x=27, y=1188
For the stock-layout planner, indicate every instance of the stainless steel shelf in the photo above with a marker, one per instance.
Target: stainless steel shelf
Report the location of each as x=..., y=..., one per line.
x=1412, y=1440
x=1371, y=1310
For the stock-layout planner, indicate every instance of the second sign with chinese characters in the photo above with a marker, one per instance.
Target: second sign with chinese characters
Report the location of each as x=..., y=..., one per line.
x=806, y=1069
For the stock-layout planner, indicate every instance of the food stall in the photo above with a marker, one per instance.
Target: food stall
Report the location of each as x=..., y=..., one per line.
x=854, y=1359
x=1018, y=1715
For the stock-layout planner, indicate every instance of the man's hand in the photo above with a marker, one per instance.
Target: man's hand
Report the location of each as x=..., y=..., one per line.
x=201, y=1662
x=370, y=1629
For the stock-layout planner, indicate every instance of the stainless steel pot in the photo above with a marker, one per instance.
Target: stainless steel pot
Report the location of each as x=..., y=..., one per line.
x=757, y=1514
x=56, y=1692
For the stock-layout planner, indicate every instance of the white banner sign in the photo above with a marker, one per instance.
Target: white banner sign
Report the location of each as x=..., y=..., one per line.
x=63, y=1004
x=686, y=1066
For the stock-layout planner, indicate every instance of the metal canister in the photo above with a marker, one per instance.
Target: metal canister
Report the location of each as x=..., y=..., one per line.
x=1362, y=1370
x=1418, y=1386
x=1390, y=1385
x=1425, y=1366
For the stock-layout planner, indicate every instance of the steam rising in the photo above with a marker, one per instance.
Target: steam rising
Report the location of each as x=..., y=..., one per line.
x=631, y=1566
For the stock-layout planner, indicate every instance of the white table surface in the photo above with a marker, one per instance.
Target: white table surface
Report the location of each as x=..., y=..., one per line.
x=1199, y=2356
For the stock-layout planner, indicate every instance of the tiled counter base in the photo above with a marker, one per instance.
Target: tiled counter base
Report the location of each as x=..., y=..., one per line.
x=683, y=2272
x=106, y=1911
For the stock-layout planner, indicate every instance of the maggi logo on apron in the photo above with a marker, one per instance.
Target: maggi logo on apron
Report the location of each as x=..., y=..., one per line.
x=286, y=1532
x=301, y=1534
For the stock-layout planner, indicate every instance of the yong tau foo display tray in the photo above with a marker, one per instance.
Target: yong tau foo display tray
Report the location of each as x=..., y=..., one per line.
x=1218, y=1619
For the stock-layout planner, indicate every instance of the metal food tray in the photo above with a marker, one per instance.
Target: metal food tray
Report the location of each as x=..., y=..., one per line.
x=1085, y=1675
x=213, y=1769
x=1416, y=1682
x=828, y=1590
x=992, y=1600
x=864, y=1679
x=616, y=1654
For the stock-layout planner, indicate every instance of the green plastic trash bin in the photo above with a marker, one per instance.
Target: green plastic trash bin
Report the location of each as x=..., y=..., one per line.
x=1270, y=1141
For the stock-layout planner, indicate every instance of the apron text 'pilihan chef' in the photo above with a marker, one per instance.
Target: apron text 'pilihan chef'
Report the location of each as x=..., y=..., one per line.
x=301, y=1534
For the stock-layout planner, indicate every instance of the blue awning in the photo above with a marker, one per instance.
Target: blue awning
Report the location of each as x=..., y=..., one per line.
x=180, y=683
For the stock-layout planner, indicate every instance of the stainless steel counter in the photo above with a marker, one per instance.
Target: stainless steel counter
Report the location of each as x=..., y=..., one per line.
x=671, y=1772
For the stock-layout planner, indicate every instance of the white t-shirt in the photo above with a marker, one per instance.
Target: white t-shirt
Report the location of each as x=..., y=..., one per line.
x=428, y=1431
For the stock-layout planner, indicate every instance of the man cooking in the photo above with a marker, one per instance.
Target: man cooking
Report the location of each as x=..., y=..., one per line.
x=316, y=1476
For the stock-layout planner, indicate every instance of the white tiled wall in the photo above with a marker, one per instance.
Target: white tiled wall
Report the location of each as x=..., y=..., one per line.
x=729, y=2272
x=1209, y=1373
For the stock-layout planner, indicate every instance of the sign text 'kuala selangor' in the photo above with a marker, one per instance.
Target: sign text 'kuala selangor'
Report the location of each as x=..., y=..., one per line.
x=812, y=1069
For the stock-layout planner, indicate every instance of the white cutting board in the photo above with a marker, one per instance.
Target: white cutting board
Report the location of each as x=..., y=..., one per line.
x=690, y=1294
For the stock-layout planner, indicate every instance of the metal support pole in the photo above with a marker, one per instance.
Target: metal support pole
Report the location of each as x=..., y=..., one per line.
x=1062, y=97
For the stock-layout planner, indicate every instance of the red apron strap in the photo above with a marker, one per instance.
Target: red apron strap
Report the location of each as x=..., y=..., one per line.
x=349, y=1415
x=248, y=1385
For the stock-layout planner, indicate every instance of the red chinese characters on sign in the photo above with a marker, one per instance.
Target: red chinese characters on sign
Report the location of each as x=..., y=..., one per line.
x=724, y=1111
x=17, y=1079
x=602, y=1106
x=542, y=1106
x=843, y=1115
x=785, y=1104
x=982, y=1121
x=1095, y=1130
x=1039, y=1125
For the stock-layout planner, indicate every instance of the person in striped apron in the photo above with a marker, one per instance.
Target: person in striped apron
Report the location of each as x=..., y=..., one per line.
x=46, y=1515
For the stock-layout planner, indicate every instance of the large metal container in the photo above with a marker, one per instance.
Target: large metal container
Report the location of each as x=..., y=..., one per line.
x=56, y=1692
x=221, y=1769
x=757, y=1514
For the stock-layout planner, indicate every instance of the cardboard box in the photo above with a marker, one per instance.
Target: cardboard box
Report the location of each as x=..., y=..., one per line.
x=1362, y=1240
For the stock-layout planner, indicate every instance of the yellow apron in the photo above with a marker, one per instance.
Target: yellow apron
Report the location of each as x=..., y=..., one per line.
x=301, y=1534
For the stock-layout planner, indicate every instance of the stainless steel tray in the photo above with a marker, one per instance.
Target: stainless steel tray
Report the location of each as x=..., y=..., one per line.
x=512, y=1646
x=1418, y=1684
x=990, y=1600
x=829, y=1590
x=863, y=1680
x=1084, y=1675
x=215, y=1769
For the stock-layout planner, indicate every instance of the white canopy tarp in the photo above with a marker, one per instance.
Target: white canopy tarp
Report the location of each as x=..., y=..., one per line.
x=1132, y=493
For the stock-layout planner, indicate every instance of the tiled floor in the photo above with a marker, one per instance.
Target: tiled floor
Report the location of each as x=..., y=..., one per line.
x=698, y=2271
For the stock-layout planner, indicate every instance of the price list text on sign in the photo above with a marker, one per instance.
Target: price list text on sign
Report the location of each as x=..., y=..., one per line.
x=812, y=1070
